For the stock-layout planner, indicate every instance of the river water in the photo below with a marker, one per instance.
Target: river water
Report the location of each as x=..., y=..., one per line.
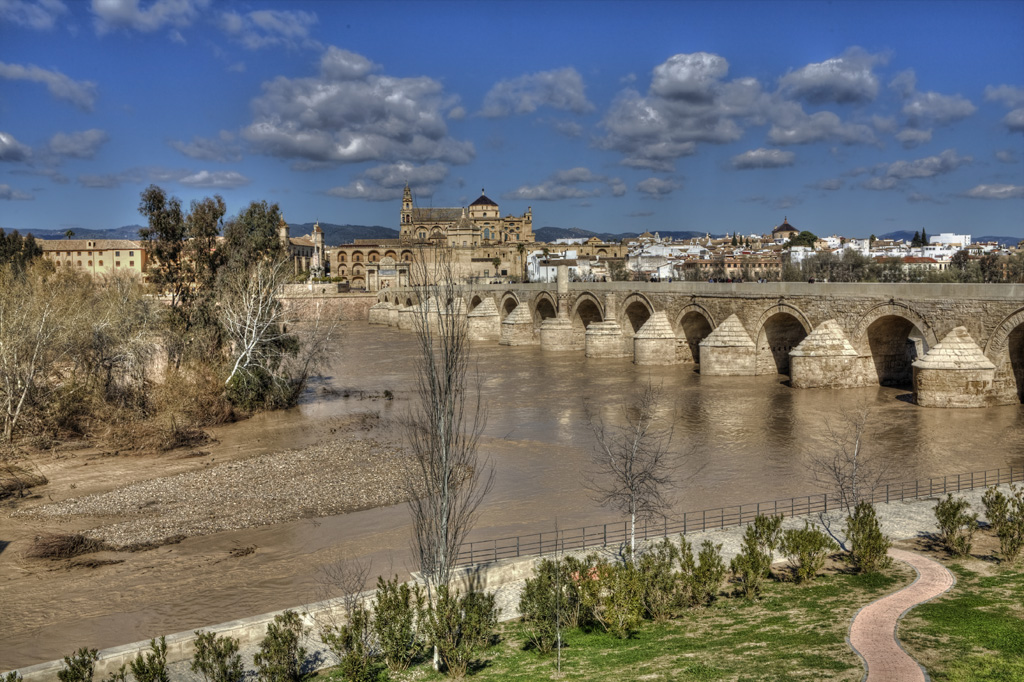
x=750, y=438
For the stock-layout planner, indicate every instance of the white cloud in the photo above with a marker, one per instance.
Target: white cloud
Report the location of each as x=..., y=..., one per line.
x=912, y=137
x=1010, y=95
x=1015, y=120
x=656, y=188
x=690, y=77
x=567, y=128
x=933, y=106
x=223, y=148
x=565, y=184
x=41, y=15
x=830, y=184
x=347, y=114
x=928, y=167
x=1006, y=156
x=386, y=182
x=559, y=89
x=11, y=149
x=80, y=145
x=791, y=125
x=271, y=28
x=881, y=184
x=128, y=14
x=996, y=192
x=847, y=79
x=8, y=193
x=215, y=179
x=763, y=158
x=80, y=93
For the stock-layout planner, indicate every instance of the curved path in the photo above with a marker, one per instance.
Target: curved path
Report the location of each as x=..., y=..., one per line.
x=873, y=629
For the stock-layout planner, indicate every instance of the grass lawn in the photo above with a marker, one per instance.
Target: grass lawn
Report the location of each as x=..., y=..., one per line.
x=976, y=630
x=792, y=633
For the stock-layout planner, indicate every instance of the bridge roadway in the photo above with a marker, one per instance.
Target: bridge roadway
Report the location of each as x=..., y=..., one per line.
x=959, y=345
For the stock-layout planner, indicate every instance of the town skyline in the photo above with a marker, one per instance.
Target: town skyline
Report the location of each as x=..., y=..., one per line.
x=854, y=118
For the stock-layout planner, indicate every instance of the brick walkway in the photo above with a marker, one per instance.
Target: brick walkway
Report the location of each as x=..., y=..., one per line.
x=873, y=630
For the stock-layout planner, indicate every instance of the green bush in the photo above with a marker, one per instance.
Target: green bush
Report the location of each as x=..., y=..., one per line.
x=543, y=604
x=868, y=545
x=459, y=627
x=616, y=598
x=664, y=590
x=153, y=666
x=956, y=525
x=753, y=564
x=581, y=574
x=1006, y=516
x=394, y=622
x=79, y=666
x=807, y=550
x=352, y=644
x=119, y=675
x=280, y=657
x=216, y=658
x=708, y=574
x=13, y=676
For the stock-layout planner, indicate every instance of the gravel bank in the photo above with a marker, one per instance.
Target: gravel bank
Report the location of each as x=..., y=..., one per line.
x=331, y=477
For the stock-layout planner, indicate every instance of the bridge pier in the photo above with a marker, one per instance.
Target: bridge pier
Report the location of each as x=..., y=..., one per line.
x=378, y=313
x=517, y=328
x=954, y=373
x=826, y=359
x=484, y=321
x=728, y=351
x=655, y=342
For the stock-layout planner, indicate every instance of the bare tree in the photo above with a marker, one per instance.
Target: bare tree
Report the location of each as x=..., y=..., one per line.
x=846, y=468
x=633, y=467
x=447, y=482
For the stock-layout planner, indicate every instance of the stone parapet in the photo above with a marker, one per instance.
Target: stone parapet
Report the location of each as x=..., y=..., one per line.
x=728, y=350
x=605, y=340
x=655, y=342
x=556, y=334
x=407, y=318
x=378, y=314
x=517, y=328
x=954, y=373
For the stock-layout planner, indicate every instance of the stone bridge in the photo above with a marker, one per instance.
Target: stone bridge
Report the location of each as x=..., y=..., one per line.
x=957, y=345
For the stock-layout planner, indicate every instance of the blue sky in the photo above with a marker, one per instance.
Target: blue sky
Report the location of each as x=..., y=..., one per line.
x=847, y=117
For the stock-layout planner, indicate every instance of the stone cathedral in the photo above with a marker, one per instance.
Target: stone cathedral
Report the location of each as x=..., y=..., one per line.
x=480, y=225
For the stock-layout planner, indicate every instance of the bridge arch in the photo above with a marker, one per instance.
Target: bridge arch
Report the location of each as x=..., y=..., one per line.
x=780, y=329
x=509, y=302
x=693, y=324
x=476, y=300
x=1005, y=348
x=544, y=307
x=893, y=335
x=636, y=310
x=586, y=310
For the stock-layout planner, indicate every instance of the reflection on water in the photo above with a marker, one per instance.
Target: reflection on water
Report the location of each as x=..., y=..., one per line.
x=750, y=438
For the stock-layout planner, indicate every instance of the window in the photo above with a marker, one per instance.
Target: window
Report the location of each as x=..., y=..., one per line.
x=117, y=264
x=131, y=264
x=78, y=253
x=131, y=253
x=90, y=264
x=117, y=254
x=79, y=263
x=101, y=264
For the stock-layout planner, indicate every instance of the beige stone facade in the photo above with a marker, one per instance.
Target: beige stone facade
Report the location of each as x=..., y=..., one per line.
x=96, y=256
x=480, y=224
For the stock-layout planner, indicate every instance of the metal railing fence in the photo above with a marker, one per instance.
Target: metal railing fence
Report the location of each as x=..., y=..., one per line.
x=616, y=533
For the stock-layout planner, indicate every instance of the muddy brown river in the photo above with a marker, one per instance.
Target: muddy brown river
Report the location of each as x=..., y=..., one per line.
x=750, y=437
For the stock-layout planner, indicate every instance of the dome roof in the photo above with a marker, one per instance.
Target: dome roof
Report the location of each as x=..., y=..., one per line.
x=483, y=201
x=785, y=227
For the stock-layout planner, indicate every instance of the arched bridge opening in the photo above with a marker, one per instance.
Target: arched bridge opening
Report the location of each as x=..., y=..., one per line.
x=780, y=333
x=1015, y=347
x=693, y=328
x=586, y=313
x=895, y=342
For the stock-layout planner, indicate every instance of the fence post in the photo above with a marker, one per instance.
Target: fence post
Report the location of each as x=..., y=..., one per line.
x=605, y=535
x=887, y=493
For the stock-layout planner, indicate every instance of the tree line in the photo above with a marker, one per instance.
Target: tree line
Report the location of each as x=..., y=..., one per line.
x=115, y=357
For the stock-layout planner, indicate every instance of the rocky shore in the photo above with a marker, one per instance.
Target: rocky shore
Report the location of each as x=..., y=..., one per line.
x=331, y=477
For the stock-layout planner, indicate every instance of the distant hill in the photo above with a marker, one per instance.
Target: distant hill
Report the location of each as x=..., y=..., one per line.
x=343, y=234
x=907, y=236
x=125, y=232
x=550, y=234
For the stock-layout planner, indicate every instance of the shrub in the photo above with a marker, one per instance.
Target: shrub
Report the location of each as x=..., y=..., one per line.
x=394, y=622
x=1006, y=516
x=280, y=657
x=615, y=598
x=13, y=676
x=351, y=643
x=807, y=550
x=216, y=658
x=956, y=525
x=581, y=574
x=119, y=675
x=459, y=627
x=868, y=545
x=152, y=667
x=542, y=605
x=707, y=576
x=754, y=563
x=79, y=666
x=664, y=591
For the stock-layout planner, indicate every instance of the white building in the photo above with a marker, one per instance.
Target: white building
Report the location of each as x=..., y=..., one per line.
x=961, y=240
